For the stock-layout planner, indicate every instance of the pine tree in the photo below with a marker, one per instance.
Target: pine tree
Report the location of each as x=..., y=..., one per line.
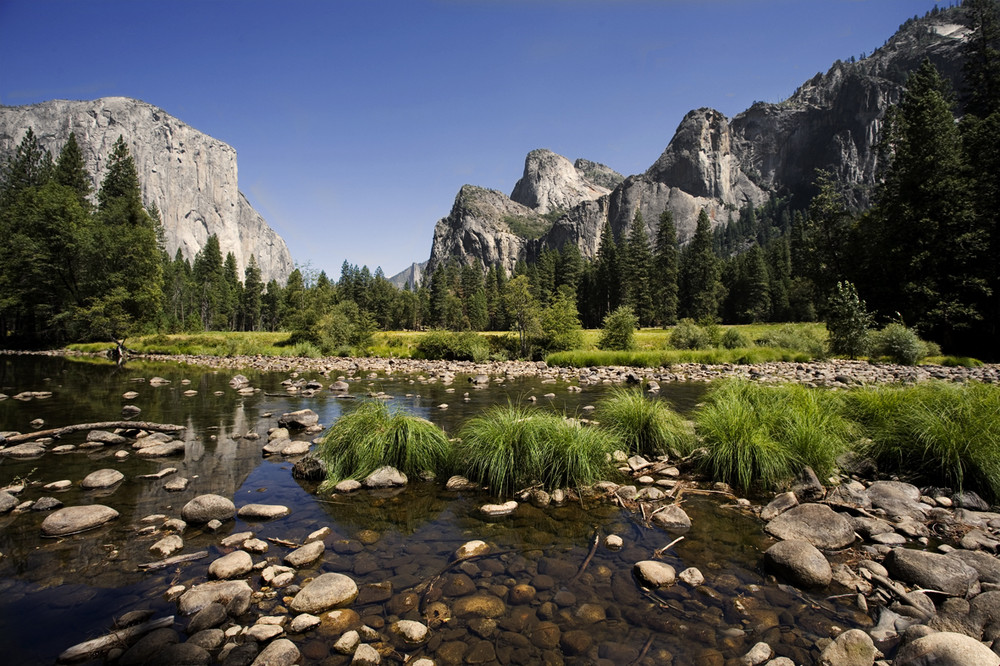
x=664, y=274
x=700, y=275
x=637, y=263
x=982, y=57
x=756, y=305
x=71, y=171
x=608, y=273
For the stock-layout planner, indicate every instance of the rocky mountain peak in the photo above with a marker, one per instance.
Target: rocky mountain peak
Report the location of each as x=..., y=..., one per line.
x=551, y=183
x=189, y=176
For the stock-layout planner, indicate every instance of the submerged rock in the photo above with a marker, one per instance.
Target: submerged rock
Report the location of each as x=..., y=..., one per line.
x=233, y=594
x=73, y=519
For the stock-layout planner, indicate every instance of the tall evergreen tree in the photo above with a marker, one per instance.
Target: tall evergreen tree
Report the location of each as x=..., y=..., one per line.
x=637, y=260
x=700, y=275
x=608, y=273
x=982, y=57
x=664, y=274
x=71, y=171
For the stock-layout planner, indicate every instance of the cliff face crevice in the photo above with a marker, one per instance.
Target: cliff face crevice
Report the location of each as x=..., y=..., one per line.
x=831, y=122
x=189, y=176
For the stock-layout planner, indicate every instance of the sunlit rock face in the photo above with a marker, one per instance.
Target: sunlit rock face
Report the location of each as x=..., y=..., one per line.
x=189, y=176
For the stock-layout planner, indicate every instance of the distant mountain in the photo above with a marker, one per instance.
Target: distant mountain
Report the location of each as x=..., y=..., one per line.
x=713, y=162
x=188, y=175
x=413, y=275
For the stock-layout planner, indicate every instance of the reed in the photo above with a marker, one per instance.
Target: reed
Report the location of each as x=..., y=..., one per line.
x=645, y=426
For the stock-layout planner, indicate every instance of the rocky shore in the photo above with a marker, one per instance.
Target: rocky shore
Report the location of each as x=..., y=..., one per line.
x=834, y=372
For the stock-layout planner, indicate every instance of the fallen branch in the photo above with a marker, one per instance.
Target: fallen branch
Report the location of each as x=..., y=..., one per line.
x=658, y=553
x=171, y=561
x=102, y=425
x=645, y=649
x=90, y=649
x=284, y=542
x=590, y=556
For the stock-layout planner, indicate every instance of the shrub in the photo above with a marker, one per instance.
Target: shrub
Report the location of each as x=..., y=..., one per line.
x=618, y=330
x=759, y=435
x=306, y=349
x=900, y=344
x=848, y=322
x=645, y=426
x=370, y=437
x=733, y=338
x=507, y=448
x=452, y=346
x=795, y=338
x=688, y=335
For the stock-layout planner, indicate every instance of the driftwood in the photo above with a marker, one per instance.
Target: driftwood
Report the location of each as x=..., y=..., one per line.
x=92, y=648
x=171, y=561
x=103, y=425
x=590, y=556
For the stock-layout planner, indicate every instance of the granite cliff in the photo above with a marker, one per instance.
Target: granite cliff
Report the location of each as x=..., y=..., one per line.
x=721, y=164
x=190, y=176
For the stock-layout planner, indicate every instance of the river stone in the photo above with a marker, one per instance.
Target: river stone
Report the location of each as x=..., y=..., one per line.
x=366, y=655
x=931, y=570
x=988, y=566
x=479, y=605
x=234, y=594
x=208, y=617
x=295, y=448
x=672, y=518
x=309, y=468
x=281, y=652
x=232, y=565
x=348, y=642
x=27, y=450
x=654, y=574
x=303, y=622
x=691, y=576
x=205, y=508
x=7, y=501
x=385, y=477
x=161, y=450
x=264, y=632
x=897, y=499
x=304, y=555
x=144, y=650
x=457, y=483
x=946, y=649
x=300, y=419
x=348, y=486
x=182, y=654
x=472, y=548
x=757, y=655
x=262, y=511
x=495, y=510
x=799, y=562
x=851, y=648
x=73, y=519
x=167, y=546
x=325, y=592
x=779, y=505
x=210, y=639
x=45, y=504
x=411, y=631
x=105, y=437
x=816, y=523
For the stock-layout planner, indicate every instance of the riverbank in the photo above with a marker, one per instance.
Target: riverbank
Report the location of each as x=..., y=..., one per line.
x=830, y=373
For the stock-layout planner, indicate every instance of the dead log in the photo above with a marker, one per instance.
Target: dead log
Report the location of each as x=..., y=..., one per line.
x=171, y=561
x=119, y=638
x=102, y=425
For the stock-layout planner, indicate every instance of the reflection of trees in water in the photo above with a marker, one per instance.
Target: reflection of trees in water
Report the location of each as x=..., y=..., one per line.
x=404, y=510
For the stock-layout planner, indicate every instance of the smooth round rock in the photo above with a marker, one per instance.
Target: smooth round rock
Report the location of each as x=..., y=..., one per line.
x=672, y=518
x=232, y=565
x=73, y=519
x=385, y=477
x=799, y=562
x=205, y=508
x=816, y=523
x=411, y=631
x=303, y=622
x=654, y=574
x=479, y=605
x=326, y=591
x=851, y=648
x=473, y=548
x=262, y=511
x=234, y=594
x=281, y=652
x=102, y=478
x=305, y=555
x=946, y=649
x=931, y=570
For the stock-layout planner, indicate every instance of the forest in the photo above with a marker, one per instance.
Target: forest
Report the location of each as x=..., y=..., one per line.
x=77, y=267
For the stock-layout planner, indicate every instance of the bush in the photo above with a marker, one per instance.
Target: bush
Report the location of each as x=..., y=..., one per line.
x=370, y=437
x=306, y=349
x=618, y=330
x=688, y=335
x=848, y=322
x=795, y=338
x=507, y=448
x=759, y=436
x=451, y=346
x=645, y=426
x=898, y=343
x=733, y=338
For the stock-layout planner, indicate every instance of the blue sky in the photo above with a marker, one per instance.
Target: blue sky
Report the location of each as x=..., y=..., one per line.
x=357, y=122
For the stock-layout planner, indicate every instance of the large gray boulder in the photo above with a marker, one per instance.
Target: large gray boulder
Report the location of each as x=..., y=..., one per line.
x=816, y=523
x=102, y=478
x=933, y=571
x=851, y=648
x=205, y=508
x=233, y=594
x=73, y=519
x=945, y=649
x=897, y=499
x=654, y=574
x=799, y=562
x=324, y=592
x=298, y=420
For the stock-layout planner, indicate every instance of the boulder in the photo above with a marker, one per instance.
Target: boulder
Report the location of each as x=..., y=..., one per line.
x=102, y=478
x=945, y=649
x=986, y=565
x=233, y=594
x=473, y=548
x=205, y=508
x=671, y=518
x=654, y=574
x=324, y=592
x=232, y=565
x=105, y=437
x=281, y=652
x=7, y=502
x=897, y=499
x=385, y=477
x=298, y=420
x=931, y=570
x=816, y=523
x=799, y=562
x=306, y=554
x=851, y=648
x=73, y=519
x=778, y=506
x=309, y=468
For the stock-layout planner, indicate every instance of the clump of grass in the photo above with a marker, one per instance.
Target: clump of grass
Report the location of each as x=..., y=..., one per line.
x=647, y=427
x=798, y=338
x=370, y=437
x=661, y=358
x=510, y=447
x=759, y=436
x=934, y=431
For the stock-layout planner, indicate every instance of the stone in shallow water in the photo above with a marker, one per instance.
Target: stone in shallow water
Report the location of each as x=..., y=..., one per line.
x=851, y=648
x=799, y=562
x=672, y=518
x=232, y=565
x=306, y=554
x=263, y=511
x=472, y=548
x=412, y=632
x=946, y=649
x=281, y=652
x=205, y=508
x=816, y=523
x=347, y=486
x=385, y=477
x=325, y=592
x=931, y=570
x=303, y=622
x=73, y=519
x=167, y=546
x=7, y=502
x=494, y=510
x=302, y=418
x=28, y=450
x=654, y=574
x=234, y=594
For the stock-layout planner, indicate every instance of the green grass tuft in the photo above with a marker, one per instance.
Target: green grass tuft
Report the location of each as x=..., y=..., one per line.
x=370, y=437
x=507, y=448
x=645, y=426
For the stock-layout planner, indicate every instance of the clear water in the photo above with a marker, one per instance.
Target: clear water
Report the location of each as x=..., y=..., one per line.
x=55, y=593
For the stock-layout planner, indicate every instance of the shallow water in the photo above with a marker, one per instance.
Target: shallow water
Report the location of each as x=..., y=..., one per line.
x=55, y=593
